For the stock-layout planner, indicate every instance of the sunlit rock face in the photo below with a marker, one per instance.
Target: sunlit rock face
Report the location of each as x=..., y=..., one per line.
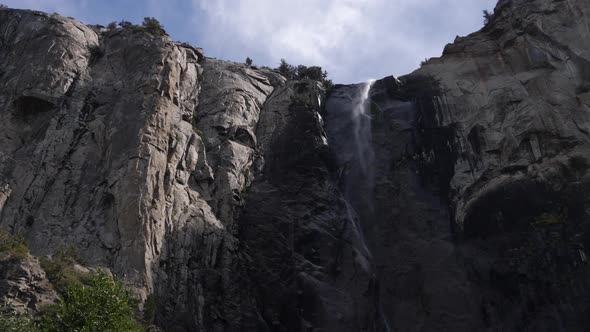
x=453, y=198
x=207, y=184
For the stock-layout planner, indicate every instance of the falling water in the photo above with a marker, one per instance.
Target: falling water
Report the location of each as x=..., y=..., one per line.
x=349, y=130
x=362, y=129
x=360, y=165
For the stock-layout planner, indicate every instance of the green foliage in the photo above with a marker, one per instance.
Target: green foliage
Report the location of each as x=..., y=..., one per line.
x=149, y=309
x=487, y=17
x=102, y=305
x=311, y=73
x=10, y=321
x=153, y=26
x=302, y=72
x=248, y=61
x=549, y=219
x=60, y=272
x=112, y=26
x=14, y=245
x=287, y=70
x=328, y=84
x=125, y=24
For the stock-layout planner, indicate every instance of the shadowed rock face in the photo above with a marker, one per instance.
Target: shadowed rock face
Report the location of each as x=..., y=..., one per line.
x=221, y=191
x=481, y=213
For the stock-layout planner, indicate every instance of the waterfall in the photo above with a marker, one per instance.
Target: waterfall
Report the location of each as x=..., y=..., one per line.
x=350, y=135
x=361, y=118
x=349, y=130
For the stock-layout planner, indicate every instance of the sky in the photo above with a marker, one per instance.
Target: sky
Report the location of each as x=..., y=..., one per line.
x=354, y=40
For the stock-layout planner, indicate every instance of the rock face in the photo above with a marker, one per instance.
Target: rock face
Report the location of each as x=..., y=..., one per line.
x=169, y=168
x=481, y=216
x=220, y=190
x=91, y=122
x=23, y=283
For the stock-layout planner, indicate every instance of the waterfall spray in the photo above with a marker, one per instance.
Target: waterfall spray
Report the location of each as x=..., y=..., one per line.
x=361, y=118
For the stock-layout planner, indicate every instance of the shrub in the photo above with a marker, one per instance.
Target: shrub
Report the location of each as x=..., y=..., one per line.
x=10, y=321
x=287, y=70
x=549, y=219
x=328, y=84
x=112, y=26
x=153, y=26
x=2, y=6
x=302, y=72
x=14, y=245
x=149, y=309
x=248, y=62
x=60, y=272
x=102, y=305
x=311, y=73
x=487, y=17
x=125, y=24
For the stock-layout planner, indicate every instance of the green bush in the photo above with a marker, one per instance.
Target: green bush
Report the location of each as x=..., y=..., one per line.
x=287, y=70
x=149, y=309
x=102, y=305
x=60, y=271
x=302, y=72
x=112, y=26
x=248, y=61
x=10, y=321
x=125, y=24
x=153, y=26
x=546, y=219
x=14, y=245
x=487, y=17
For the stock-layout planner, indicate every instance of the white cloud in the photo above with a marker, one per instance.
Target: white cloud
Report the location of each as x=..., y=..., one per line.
x=353, y=39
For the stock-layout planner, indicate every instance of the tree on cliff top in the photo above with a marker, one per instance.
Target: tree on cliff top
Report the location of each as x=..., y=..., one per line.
x=153, y=26
x=487, y=17
x=302, y=72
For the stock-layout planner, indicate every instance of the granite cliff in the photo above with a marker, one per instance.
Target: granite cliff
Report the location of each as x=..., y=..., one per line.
x=231, y=197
